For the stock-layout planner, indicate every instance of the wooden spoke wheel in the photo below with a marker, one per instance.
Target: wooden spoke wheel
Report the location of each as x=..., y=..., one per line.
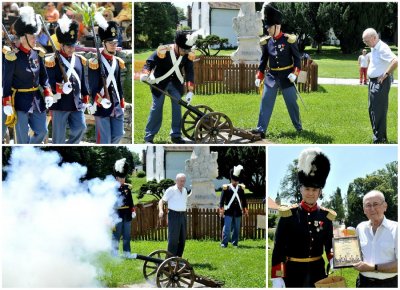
x=215, y=127
x=190, y=119
x=175, y=272
x=150, y=268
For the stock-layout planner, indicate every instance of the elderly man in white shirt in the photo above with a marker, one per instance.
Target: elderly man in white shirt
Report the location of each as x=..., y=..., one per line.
x=378, y=240
x=382, y=64
x=176, y=197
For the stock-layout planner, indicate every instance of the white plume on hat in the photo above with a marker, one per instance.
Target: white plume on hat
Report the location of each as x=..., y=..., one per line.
x=237, y=170
x=305, y=159
x=27, y=15
x=119, y=165
x=39, y=23
x=191, y=38
x=64, y=23
x=101, y=21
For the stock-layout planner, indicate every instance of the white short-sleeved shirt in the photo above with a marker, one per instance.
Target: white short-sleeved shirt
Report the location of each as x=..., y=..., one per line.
x=176, y=199
x=379, y=248
x=380, y=58
x=363, y=59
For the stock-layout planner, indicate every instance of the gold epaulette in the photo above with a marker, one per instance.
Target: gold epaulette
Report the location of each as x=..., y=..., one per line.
x=9, y=54
x=83, y=59
x=121, y=62
x=331, y=213
x=192, y=56
x=41, y=51
x=264, y=40
x=286, y=211
x=50, y=61
x=242, y=186
x=225, y=186
x=291, y=38
x=93, y=63
x=162, y=50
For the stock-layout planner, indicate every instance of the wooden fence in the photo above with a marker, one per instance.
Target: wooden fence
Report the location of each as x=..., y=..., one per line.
x=201, y=223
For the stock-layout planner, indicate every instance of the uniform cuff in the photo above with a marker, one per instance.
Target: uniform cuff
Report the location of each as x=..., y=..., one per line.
x=278, y=271
x=260, y=75
x=98, y=99
x=85, y=99
x=296, y=71
x=329, y=256
x=122, y=103
x=47, y=92
x=190, y=86
x=7, y=101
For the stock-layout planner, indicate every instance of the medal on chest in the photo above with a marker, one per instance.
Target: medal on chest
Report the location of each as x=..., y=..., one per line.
x=319, y=225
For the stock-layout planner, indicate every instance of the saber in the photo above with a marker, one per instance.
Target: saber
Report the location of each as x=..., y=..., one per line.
x=298, y=94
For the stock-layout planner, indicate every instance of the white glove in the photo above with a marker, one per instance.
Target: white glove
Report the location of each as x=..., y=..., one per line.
x=257, y=83
x=278, y=283
x=144, y=77
x=149, y=78
x=91, y=109
x=105, y=103
x=8, y=110
x=292, y=77
x=189, y=97
x=133, y=214
x=331, y=265
x=56, y=97
x=49, y=101
x=160, y=214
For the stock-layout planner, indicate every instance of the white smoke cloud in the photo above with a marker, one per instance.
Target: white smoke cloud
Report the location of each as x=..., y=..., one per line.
x=53, y=224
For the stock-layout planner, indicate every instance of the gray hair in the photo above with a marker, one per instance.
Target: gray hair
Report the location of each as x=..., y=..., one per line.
x=180, y=175
x=374, y=193
x=370, y=32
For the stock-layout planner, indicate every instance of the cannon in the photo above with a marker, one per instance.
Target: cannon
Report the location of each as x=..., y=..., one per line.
x=202, y=125
x=168, y=271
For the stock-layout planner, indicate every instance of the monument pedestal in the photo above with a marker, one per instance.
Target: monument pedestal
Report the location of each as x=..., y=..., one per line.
x=203, y=195
x=249, y=50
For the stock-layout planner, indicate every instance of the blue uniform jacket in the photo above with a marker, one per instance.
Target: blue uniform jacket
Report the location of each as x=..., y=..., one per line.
x=26, y=72
x=162, y=65
x=72, y=101
x=280, y=53
x=234, y=209
x=96, y=84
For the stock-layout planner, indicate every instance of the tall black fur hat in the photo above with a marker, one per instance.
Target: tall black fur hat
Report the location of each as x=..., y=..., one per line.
x=121, y=168
x=313, y=168
x=108, y=30
x=28, y=22
x=67, y=31
x=237, y=173
x=186, y=38
x=272, y=16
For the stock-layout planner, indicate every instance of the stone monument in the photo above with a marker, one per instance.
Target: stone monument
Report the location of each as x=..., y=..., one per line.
x=248, y=26
x=203, y=169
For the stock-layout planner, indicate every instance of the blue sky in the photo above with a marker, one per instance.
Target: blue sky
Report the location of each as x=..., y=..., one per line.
x=347, y=163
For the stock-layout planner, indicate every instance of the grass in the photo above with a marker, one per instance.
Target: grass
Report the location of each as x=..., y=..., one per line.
x=349, y=274
x=336, y=114
x=243, y=267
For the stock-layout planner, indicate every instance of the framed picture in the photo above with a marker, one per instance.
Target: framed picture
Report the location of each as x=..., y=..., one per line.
x=346, y=252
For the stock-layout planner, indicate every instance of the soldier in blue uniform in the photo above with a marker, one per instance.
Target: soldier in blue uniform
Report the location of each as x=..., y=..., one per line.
x=304, y=230
x=281, y=61
x=232, y=205
x=69, y=106
x=110, y=116
x=23, y=73
x=125, y=210
x=164, y=69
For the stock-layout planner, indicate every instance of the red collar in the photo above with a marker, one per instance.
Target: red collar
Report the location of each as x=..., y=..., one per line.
x=23, y=49
x=107, y=56
x=64, y=54
x=307, y=208
x=278, y=36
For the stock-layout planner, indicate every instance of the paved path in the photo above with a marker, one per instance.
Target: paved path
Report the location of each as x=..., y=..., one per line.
x=337, y=81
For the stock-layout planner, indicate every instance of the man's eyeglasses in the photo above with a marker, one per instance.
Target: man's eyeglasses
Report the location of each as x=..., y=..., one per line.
x=374, y=205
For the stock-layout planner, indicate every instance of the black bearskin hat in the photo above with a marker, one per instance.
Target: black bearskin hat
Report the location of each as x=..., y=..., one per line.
x=313, y=168
x=108, y=31
x=185, y=38
x=272, y=16
x=121, y=168
x=28, y=22
x=67, y=31
x=236, y=173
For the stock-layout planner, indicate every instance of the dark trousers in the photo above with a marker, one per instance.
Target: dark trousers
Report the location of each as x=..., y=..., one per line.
x=365, y=282
x=176, y=232
x=378, y=104
x=304, y=275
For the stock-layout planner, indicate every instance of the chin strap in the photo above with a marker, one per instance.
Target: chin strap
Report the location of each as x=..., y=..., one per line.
x=105, y=47
x=26, y=38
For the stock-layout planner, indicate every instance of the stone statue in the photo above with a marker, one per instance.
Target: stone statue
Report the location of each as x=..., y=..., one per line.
x=203, y=169
x=248, y=26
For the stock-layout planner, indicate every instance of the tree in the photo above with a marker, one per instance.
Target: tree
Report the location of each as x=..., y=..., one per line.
x=155, y=188
x=136, y=158
x=205, y=44
x=272, y=220
x=336, y=203
x=384, y=180
x=252, y=158
x=290, y=186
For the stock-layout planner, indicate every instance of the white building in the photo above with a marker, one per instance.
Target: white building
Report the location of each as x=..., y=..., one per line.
x=215, y=18
x=167, y=161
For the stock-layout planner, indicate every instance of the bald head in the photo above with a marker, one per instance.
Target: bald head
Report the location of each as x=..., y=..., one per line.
x=370, y=37
x=374, y=193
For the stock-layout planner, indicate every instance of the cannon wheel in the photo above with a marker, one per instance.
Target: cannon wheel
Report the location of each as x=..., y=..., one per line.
x=214, y=127
x=175, y=272
x=150, y=268
x=190, y=119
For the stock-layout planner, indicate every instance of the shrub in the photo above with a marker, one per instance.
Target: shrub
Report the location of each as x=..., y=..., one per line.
x=141, y=174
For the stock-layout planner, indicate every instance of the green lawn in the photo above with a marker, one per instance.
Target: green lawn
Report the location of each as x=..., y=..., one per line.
x=349, y=274
x=243, y=267
x=336, y=114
